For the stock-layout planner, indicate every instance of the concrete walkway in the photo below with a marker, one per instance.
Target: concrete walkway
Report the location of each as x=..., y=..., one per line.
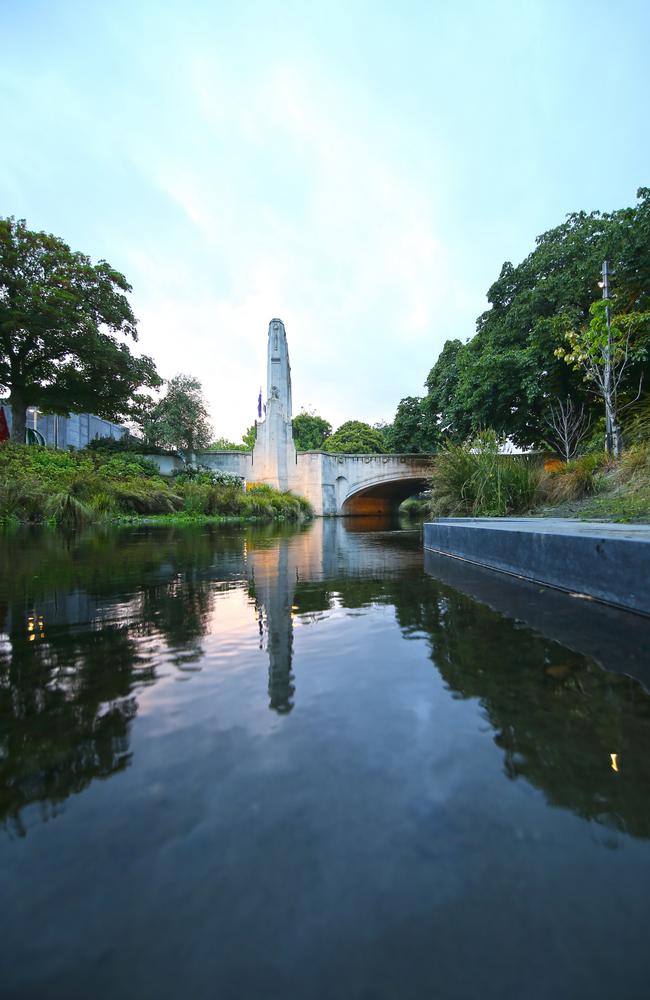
x=607, y=562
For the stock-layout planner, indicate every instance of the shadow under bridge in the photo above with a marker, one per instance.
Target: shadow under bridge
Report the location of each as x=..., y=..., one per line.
x=382, y=496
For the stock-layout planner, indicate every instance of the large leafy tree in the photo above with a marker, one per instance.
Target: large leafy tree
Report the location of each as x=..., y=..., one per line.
x=58, y=316
x=356, y=438
x=310, y=431
x=180, y=419
x=506, y=375
x=413, y=430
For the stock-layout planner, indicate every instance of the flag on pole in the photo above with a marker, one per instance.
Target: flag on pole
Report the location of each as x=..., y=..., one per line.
x=259, y=404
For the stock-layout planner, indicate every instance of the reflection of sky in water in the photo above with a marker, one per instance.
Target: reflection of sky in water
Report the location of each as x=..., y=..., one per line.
x=315, y=755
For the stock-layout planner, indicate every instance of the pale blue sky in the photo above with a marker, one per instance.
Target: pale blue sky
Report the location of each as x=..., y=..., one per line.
x=359, y=169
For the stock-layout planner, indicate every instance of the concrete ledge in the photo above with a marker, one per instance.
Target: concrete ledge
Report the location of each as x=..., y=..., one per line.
x=608, y=562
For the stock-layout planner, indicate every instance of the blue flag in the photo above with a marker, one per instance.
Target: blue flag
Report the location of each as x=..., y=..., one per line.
x=259, y=404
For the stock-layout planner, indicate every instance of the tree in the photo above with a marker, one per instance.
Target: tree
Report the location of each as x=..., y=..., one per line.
x=413, y=430
x=180, y=419
x=310, y=431
x=356, y=438
x=223, y=444
x=248, y=440
x=505, y=376
x=605, y=356
x=58, y=312
x=567, y=426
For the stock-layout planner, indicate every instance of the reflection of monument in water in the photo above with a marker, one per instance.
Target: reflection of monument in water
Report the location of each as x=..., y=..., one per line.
x=274, y=596
x=306, y=570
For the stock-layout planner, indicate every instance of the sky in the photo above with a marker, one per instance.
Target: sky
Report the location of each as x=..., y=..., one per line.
x=360, y=170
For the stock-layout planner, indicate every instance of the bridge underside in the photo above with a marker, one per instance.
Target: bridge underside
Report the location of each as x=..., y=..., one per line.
x=382, y=498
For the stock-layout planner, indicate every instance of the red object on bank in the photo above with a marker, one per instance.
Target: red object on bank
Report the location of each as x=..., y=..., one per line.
x=4, y=426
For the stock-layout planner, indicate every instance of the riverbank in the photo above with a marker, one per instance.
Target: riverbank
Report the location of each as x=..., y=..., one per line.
x=38, y=485
x=483, y=483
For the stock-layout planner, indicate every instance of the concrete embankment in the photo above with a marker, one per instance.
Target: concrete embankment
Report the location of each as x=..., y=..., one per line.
x=607, y=562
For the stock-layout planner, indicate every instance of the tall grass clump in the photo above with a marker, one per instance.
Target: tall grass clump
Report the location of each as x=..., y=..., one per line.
x=475, y=480
x=572, y=480
x=68, y=512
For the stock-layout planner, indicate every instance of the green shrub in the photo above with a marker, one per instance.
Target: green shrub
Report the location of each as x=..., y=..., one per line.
x=635, y=462
x=121, y=467
x=67, y=511
x=573, y=480
x=103, y=482
x=126, y=444
x=259, y=506
x=196, y=498
x=10, y=503
x=103, y=503
x=208, y=477
x=131, y=500
x=475, y=480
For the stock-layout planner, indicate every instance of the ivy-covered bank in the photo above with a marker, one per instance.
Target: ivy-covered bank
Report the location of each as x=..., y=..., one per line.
x=64, y=487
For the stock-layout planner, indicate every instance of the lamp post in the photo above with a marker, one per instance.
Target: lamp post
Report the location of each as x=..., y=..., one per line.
x=611, y=430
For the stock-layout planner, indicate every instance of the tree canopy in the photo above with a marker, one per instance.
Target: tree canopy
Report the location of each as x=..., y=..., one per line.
x=506, y=376
x=223, y=444
x=310, y=431
x=413, y=430
x=180, y=419
x=356, y=438
x=58, y=314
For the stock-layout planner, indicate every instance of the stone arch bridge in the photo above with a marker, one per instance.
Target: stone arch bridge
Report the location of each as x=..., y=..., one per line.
x=335, y=484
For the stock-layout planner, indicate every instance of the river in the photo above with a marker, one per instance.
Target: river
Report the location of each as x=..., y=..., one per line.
x=246, y=762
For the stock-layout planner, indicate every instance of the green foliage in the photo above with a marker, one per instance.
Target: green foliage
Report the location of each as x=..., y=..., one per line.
x=180, y=419
x=413, y=430
x=636, y=428
x=127, y=443
x=68, y=511
x=58, y=314
x=71, y=488
x=248, y=440
x=476, y=480
x=223, y=444
x=356, y=438
x=310, y=431
x=589, y=348
x=572, y=480
x=206, y=476
x=623, y=489
x=504, y=376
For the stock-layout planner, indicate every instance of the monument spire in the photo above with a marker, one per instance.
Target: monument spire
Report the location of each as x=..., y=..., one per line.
x=274, y=452
x=278, y=368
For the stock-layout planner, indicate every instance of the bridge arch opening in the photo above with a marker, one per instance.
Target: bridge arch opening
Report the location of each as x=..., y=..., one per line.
x=382, y=498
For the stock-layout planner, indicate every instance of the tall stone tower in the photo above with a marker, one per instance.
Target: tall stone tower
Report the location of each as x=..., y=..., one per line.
x=274, y=454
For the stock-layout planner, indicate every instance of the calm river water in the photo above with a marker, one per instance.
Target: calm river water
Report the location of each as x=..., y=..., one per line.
x=252, y=763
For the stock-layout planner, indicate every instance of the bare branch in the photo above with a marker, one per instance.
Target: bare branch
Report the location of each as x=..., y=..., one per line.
x=568, y=425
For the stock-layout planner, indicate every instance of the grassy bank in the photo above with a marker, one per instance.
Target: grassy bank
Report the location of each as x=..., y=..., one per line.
x=40, y=485
x=476, y=481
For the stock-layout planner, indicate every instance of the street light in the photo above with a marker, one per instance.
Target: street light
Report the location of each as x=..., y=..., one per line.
x=610, y=429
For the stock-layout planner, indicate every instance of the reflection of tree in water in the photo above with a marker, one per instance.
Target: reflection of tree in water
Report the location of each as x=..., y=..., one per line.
x=66, y=703
x=77, y=613
x=558, y=716
x=68, y=669
x=67, y=697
